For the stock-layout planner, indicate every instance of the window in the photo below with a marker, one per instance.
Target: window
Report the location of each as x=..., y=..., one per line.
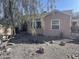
x=55, y=24
x=38, y=24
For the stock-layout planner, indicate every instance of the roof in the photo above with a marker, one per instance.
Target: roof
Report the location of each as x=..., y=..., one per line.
x=58, y=12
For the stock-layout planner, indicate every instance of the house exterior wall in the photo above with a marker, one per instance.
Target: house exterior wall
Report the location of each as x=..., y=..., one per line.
x=64, y=24
x=40, y=30
x=36, y=30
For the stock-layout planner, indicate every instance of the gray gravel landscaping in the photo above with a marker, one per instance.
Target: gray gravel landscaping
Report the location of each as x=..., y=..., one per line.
x=51, y=51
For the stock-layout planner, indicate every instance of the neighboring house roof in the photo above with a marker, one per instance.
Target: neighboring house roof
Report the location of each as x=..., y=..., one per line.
x=70, y=12
x=75, y=16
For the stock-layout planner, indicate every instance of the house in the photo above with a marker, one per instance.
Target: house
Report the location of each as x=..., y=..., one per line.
x=56, y=23
x=75, y=23
x=53, y=24
x=74, y=20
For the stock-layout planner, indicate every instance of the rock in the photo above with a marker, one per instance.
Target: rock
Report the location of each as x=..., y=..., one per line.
x=33, y=54
x=8, y=51
x=0, y=53
x=4, y=38
x=11, y=44
x=68, y=56
x=0, y=41
x=3, y=48
x=7, y=57
x=52, y=42
x=62, y=43
x=74, y=56
x=40, y=50
x=47, y=43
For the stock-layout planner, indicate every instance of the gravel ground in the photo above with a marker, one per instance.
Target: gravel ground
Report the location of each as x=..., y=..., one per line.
x=51, y=51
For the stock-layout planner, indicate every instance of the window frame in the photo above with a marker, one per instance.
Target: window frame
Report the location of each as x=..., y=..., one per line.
x=36, y=23
x=55, y=24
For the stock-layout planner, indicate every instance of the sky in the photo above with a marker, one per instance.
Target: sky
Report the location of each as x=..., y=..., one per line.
x=68, y=4
x=60, y=5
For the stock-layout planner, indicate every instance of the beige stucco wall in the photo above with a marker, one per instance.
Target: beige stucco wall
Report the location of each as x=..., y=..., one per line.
x=64, y=24
x=36, y=31
x=40, y=30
